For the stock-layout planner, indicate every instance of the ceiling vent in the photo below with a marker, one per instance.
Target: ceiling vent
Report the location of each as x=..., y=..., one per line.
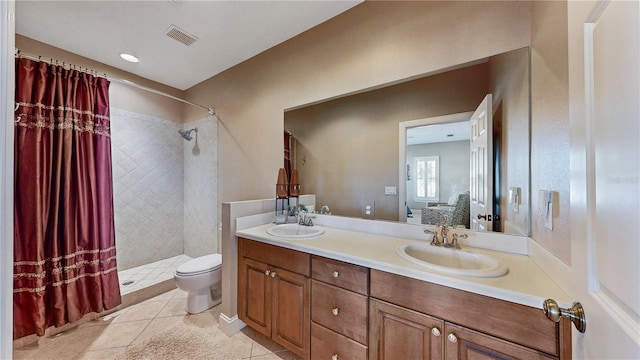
x=180, y=35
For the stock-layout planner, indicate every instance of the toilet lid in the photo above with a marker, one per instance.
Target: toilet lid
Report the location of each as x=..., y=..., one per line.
x=200, y=265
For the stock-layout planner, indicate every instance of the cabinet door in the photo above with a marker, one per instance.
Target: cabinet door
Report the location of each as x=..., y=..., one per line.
x=399, y=333
x=463, y=343
x=291, y=324
x=254, y=295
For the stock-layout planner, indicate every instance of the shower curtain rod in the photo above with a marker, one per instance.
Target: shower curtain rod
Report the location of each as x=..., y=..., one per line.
x=210, y=110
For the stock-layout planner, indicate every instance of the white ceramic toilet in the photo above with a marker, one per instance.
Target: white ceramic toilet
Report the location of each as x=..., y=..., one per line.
x=200, y=278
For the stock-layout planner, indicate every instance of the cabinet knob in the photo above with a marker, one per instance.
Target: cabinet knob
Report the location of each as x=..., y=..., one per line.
x=335, y=311
x=273, y=274
x=267, y=272
x=335, y=274
x=452, y=338
x=435, y=331
x=334, y=357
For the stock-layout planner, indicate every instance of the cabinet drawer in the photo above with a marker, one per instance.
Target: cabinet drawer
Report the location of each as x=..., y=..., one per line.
x=287, y=259
x=326, y=343
x=347, y=276
x=340, y=310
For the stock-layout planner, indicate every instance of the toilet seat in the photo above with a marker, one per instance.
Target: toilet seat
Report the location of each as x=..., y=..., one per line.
x=200, y=265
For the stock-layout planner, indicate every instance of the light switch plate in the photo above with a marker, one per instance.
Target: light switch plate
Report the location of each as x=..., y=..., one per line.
x=545, y=207
x=390, y=190
x=514, y=198
x=548, y=220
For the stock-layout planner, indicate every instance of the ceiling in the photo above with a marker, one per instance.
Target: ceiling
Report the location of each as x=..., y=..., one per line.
x=438, y=133
x=227, y=32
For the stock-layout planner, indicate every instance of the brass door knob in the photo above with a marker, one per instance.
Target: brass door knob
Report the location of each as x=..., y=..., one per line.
x=575, y=313
x=484, y=217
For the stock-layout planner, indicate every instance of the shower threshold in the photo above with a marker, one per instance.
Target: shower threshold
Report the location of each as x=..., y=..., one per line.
x=146, y=281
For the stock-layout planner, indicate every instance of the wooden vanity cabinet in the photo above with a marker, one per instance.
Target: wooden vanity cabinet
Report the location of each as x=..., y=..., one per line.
x=273, y=293
x=321, y=308
x=339, y=310
x=405, y=312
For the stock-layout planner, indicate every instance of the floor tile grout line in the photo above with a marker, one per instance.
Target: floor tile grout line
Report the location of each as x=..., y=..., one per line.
x=137, y=336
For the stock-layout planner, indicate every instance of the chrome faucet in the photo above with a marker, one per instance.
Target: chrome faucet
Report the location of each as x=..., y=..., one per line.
x=304, y=219
x=440, y=236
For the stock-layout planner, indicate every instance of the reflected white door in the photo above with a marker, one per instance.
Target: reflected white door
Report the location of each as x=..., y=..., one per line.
x=606, y=230
x=482, y=166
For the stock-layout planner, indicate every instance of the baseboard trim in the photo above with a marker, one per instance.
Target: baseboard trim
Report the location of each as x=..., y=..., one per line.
x=230, y=325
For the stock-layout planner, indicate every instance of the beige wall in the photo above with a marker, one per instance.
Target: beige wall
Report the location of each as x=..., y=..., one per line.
x=347, y=149
x=121, y=96
x=373, y=44
x=550, y=125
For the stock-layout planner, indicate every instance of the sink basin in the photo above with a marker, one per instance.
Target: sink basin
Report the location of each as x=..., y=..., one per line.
x=452, y=261
x=295, y=231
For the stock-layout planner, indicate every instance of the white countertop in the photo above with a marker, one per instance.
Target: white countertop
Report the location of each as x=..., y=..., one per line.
x=525, y=283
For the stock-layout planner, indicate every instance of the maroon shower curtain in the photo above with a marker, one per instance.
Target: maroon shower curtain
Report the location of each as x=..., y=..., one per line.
x=64, y=239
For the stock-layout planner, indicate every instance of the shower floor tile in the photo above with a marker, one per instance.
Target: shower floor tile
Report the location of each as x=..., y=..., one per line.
x=143, y=276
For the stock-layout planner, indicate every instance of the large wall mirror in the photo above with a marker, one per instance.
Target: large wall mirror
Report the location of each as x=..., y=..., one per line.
x=362, y=149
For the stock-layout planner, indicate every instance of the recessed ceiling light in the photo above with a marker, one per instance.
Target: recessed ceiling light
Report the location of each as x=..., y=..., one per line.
x=129, y=58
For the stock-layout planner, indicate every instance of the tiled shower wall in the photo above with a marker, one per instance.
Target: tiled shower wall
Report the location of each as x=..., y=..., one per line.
x=148, y=188
x=165, y=190
x=201, y=188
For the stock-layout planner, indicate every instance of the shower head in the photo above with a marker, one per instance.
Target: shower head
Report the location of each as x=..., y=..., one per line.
x=186, y=134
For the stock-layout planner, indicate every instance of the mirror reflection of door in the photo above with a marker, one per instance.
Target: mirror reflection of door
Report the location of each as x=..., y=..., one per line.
x=481, y=170
x=450, y=172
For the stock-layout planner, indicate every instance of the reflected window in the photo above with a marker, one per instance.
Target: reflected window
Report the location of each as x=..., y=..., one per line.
x=427, y=178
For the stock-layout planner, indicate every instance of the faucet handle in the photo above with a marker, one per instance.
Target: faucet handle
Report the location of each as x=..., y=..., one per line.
x=434, y=239
x=454, y=241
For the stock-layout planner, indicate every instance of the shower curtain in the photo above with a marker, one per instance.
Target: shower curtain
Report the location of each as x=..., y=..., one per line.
x=64, y=239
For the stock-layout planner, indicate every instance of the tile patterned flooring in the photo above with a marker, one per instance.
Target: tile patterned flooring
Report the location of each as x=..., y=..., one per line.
x=108, y=337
